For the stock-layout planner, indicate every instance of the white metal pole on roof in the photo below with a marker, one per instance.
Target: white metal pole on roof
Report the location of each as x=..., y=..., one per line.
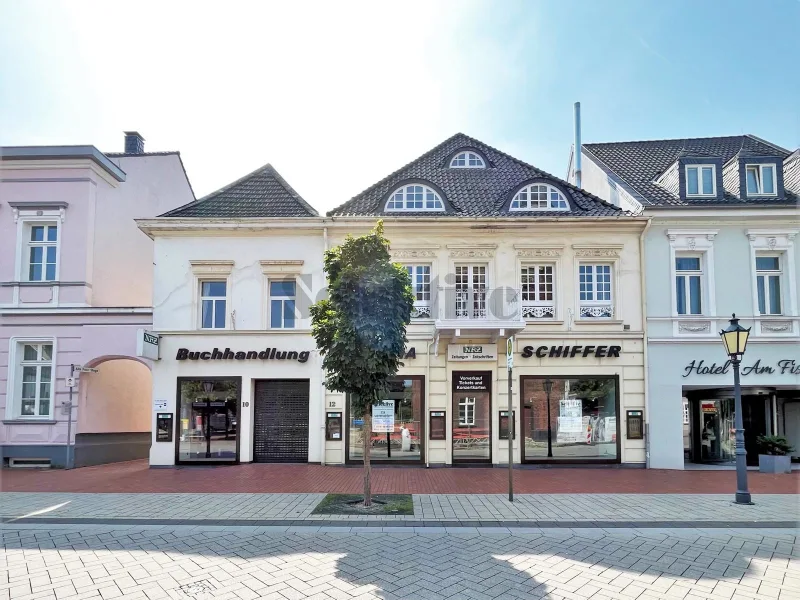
x=577, y=151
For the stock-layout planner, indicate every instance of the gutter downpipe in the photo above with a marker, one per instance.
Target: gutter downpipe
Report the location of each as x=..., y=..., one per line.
x=322, y=376
x=642, y=283
x=434, y=344
x=578, y=149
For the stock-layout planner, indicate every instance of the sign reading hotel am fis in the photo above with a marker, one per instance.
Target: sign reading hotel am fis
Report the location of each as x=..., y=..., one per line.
x=782, y=367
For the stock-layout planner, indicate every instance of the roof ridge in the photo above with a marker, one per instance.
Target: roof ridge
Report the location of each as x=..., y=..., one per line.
x=157, y=153
x=763, y=141
x=291, y=191
x=683, y=139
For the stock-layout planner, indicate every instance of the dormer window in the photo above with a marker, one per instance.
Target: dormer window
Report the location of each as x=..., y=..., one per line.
x=539, y=197
x=760, y=180
x=414, y=198
x=701, y=180
x=467, y=160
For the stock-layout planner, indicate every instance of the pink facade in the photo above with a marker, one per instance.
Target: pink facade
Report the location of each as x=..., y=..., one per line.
x=75, y=286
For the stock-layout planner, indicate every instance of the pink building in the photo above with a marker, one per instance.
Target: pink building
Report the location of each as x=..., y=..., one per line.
x=75, y=287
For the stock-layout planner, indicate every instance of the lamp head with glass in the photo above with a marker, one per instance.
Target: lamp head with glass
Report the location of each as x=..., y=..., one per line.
x=734, y=337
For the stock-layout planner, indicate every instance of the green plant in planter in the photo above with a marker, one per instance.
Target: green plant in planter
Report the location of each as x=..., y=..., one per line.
x=773, y=445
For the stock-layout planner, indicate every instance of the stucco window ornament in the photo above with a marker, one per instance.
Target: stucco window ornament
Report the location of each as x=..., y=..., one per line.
x=776, y=326
x=413, y=253
x=772, y=242
x=539, y=252
x=421, y=312
x=691, y=242
x=472, y=253
x=597, y=252
x=595, y=312
x=538, y=312
x=693, y=327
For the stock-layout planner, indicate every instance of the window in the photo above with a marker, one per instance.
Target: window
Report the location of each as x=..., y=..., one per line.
x=768, y=282
x=537, y=283
x=37, y=377
x=688, y=285
x=539, y=197
x=421, y=286
x=212, y=304
x=42, y=249
x=466, y=411
x=282, y=298
x=595, y=291
x=414, y=198
x=701, y=180
x=467, y=160
x=760, y=180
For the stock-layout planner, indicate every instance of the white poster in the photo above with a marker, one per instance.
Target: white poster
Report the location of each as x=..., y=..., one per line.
x=383, y=417
x=159, y=405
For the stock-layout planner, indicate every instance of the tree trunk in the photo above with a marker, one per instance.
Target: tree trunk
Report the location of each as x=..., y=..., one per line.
x=367, y=445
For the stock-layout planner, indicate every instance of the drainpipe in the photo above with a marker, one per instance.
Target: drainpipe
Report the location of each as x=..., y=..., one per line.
x=642, y=283
x=578, y=148
x=434, y=344
x=322, y=379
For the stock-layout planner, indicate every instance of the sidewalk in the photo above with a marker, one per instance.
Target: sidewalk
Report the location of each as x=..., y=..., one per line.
x=530, y=510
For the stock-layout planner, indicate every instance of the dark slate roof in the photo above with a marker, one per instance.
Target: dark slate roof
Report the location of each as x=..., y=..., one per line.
x=471, y=192
x=639, y=164
x=262, y=193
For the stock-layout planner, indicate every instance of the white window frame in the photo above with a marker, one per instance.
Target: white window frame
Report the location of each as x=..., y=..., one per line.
x=403, y=190
x=14, y=384
x=211, y=270
x=422, y=306
x=694, y=242
x=765, y=275
x=25, y=223
x=44, y=244
x=760, y=179
x=214, y=300
x=596, y=305
x=468, y=156
x=538, y=309
x=687, y=274
x=282, y=300
x=516, y=202
x=700, y=168
x=775, y=242
x=468, y=404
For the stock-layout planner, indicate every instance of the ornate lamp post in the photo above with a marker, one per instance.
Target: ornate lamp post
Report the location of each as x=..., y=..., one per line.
x=735, y=340
x=548, y=387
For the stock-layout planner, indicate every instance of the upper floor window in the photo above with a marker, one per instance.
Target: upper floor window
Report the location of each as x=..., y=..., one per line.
x=414, y=198
x=35, y=391
x=282, y=303
x=701, y=180
x=768, y=282
x=421, y=286
x=539, y=196
x=213, y=301
x=467, y=160
x=538, y=292
x=760, y=180
x=688, y=285
x=42, y=252
x=594, y=281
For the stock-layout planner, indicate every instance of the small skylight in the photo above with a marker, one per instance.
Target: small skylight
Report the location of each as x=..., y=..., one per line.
x=467, y=160
x=539, y=197
x=414, y=197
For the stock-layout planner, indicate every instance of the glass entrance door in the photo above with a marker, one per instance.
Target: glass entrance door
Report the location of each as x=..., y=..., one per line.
x=208, y=421
x=472, y=430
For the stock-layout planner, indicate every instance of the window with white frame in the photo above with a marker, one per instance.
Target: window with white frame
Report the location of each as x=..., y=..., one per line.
x=768, y=284
x=760, y=180
x=213, y=301
x=42, y=250
x=466, y=412
x=689, y=284
x=539, y=197
x=36, y=379
x=282, y=304
x=467, y=160
x=538, y=291
x=701, y=180
x=595, y=291
x=421, y=286
x=414, y=197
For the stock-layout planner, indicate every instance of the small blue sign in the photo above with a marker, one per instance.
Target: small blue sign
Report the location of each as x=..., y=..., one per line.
x=358, y=421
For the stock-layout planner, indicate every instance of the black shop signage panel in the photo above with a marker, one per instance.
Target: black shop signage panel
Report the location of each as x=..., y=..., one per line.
x=472, y=381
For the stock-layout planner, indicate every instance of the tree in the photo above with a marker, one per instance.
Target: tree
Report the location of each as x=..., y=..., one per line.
x=360, y=329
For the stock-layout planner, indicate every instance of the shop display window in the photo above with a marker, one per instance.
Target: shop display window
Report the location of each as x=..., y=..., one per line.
x=208, y=412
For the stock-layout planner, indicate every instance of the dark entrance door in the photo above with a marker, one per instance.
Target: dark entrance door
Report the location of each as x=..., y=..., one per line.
x=281, y=421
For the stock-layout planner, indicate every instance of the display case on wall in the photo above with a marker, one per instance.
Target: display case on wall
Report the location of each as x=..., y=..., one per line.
x=438, y=425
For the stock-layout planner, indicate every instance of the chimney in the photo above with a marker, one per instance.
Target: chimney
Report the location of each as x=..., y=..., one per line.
x=578, y=148
x=134, y=143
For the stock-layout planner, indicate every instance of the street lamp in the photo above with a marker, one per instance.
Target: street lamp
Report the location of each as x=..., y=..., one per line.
x=548, y=387
x=735, y=340
x=208, y=386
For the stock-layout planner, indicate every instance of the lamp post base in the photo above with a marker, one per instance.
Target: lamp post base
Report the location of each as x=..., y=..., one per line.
x=743, y=498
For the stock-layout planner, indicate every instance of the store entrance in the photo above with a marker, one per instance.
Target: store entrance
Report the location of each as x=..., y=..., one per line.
x=280, y=420
x=472, y=422
x=208, y=421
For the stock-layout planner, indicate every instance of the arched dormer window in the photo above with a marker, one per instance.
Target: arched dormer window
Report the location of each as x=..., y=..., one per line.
x=539, y=197
x=467, y=160
x=414, y=197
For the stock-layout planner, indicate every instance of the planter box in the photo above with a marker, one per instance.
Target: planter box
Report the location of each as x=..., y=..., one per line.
x=768, y=463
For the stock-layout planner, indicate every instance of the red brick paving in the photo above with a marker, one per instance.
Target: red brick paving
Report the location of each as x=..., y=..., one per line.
x=137, y=477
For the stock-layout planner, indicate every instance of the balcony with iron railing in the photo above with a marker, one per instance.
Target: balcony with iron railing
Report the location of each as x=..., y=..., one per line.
x=494, y=310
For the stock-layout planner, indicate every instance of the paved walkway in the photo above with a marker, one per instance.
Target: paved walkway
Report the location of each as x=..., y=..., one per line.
x=457, y=509
x=196, y=563
x=137, y=477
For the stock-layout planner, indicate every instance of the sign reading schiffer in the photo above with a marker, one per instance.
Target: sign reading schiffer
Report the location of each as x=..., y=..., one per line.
x=472, y=352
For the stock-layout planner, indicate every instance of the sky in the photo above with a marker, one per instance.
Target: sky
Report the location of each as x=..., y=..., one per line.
x=337, y=95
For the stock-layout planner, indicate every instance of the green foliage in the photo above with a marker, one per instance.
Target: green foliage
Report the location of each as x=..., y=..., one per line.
x=360, y=329
x=775, y=445
x=592, y=389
